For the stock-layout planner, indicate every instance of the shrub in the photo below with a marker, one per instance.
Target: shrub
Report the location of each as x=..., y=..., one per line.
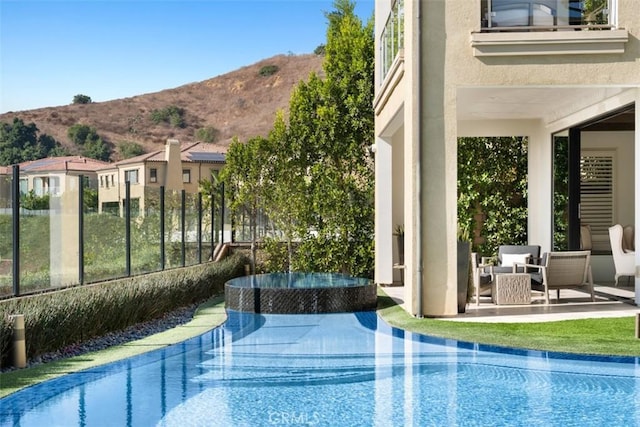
x=268, y=70
x=128, y=149
x=81, y=99
x=56, y=320
x=171, y=115
x=207, y=134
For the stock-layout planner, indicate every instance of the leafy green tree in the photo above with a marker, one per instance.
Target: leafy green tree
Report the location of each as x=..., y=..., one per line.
x=243, y=173
x=128, y=149
x=314, y=175
x=82, y=99
x=96, y=149
x=91, y=144
x=331, y=121
x=79, y=133
x=20, y=142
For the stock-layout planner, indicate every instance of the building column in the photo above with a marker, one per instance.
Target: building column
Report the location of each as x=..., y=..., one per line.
x=383, y=212
x=438, y=168
x=637, y=195
x=540, y=189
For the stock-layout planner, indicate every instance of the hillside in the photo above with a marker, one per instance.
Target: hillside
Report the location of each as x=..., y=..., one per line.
x=241, y=103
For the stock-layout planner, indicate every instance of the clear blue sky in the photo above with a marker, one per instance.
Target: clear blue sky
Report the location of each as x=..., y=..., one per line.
x=52, y=50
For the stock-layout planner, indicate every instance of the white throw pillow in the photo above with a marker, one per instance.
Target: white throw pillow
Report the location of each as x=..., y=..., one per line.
x=509, y=259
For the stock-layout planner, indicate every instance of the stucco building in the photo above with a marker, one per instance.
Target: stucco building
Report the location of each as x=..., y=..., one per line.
x=177, y=167
x=544, y=69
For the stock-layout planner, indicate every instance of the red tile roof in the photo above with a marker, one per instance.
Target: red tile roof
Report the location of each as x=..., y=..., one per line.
x=60, y=164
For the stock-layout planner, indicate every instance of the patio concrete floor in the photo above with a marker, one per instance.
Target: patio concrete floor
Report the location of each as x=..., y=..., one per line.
x=610, y=301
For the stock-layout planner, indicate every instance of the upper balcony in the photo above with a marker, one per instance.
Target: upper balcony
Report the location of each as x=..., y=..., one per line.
x=548, y=27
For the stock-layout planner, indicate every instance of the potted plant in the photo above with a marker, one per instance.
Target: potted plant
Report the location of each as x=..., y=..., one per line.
x=399, y=233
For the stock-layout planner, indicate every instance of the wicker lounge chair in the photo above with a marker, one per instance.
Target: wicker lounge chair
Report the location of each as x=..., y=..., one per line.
x=482, y=277
x=562, y=270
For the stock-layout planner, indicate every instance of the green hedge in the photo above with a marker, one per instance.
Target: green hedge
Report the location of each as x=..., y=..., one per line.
x=58, y=319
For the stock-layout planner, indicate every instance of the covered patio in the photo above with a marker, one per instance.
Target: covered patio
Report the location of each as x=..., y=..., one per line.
x=610, y=302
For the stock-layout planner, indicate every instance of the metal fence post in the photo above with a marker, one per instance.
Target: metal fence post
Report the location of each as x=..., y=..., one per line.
x=162, y=247
x=183, y=226
x=15, y=216
x=199, y=228
x=127, y=229
x=81, y=229
x=222, y=213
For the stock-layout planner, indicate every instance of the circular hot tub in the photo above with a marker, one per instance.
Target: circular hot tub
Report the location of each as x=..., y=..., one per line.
x=297, y=293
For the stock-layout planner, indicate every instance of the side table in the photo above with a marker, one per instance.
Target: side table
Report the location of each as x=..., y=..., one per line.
x=511, y=288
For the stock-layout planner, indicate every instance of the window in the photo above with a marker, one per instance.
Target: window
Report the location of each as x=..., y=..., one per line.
x=392, y=38
x=546, y=13
x=44, y=185
x=24, y=186
x=597, y=195
x=153, y=175
x=131, y=176
x=101, y=181
x=186, y=176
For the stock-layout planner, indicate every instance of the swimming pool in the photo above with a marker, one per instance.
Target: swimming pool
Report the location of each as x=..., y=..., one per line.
x=338, y=369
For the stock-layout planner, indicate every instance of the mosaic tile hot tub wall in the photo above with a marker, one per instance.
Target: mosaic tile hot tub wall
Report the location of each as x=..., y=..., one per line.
x=301, y=300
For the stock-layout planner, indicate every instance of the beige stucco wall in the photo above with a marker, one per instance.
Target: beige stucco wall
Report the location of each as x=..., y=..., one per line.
x=429, y=91
x=462, y=68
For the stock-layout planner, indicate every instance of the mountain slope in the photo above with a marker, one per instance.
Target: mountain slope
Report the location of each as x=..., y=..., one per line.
x=241, y=103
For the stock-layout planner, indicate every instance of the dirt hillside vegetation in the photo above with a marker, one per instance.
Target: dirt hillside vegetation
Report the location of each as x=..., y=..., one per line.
x=241, y=104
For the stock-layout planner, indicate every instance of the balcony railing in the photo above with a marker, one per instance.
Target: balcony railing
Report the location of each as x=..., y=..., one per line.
x=392, y=39
x=550, y=15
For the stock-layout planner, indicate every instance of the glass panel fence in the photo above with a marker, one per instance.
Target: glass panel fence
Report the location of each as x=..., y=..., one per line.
x=145, y=234
x=173, y=228
x=191, y=229
x=6, y=238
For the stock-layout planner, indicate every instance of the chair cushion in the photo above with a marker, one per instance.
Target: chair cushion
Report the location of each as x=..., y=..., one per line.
x=509, y=259
x=485, y=279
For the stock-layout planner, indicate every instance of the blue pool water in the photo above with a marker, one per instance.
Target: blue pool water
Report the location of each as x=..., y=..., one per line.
x=345, y=369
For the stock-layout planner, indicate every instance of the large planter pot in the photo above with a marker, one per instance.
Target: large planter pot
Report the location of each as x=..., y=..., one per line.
x=464, y=249
x=400, y=241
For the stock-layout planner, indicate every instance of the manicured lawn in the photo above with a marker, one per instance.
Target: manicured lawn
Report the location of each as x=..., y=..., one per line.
x=605, y=336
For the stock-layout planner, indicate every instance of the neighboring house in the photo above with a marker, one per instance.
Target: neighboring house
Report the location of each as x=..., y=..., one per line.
x=51, y=176
x=544, y=69
x=177, y=167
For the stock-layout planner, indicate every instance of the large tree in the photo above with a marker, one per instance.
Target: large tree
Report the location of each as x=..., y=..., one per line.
x=243, y=173
x=20, y=142
x=316, y=180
